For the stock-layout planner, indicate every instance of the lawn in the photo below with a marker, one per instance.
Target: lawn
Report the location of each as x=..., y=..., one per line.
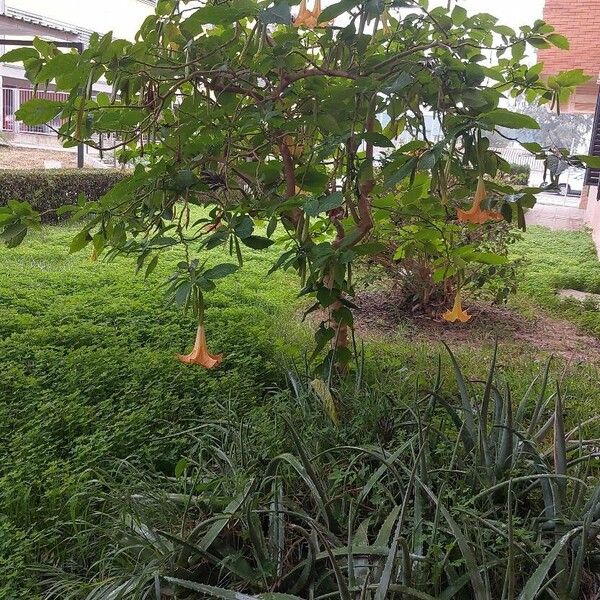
x=89, y=374
x=560, y=260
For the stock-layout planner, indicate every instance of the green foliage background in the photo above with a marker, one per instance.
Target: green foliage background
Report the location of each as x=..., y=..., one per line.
x=47, y=190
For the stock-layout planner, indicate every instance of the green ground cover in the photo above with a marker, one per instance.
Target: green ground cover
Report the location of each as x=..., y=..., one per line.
x=89, y=374
x=558, y=260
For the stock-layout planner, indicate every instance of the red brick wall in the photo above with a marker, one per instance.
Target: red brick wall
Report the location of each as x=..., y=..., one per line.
x=579, y=21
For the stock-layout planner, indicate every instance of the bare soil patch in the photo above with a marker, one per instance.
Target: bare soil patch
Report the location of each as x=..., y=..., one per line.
x=12, y=157
x=381, y=314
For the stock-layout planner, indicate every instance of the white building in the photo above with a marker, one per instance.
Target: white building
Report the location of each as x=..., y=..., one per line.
x=70, y=21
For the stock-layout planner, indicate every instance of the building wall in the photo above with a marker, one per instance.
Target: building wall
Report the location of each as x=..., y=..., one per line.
x=123, y=17
x=33, y=140
x=591, y=205
x=579, y=21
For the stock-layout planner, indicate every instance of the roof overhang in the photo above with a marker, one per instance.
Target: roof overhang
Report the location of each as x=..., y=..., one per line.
x=17, y=24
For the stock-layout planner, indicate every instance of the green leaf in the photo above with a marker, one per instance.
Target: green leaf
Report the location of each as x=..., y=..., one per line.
x=472, y=566
x=181, y=466
x=403, y=80
x=489, y=258
x=311, y=179
x=282, y=260
x=80, y=241
x=591, y=161
x=280, y=13
x=164, y=7
x=62, y=63
x=538, y=42
x=19, y=55
x=369, y=248
x=335, y=10
x=14, y=234
x=532, y=147
x=220, y=271
x=328, y=122
x=535, y=582
x=558, y=40
x=323, y=336
x=459, y=15
x=184, y=179
x=183, y=293
x=219, y=14
x=518, y=50
x=221, y=522
x=404, y=171
x=316, y=206
x=468, y=411
x=223, y=594
x=257, y=242
x=245, y=227
x=151, y=266
x=501, y=117
x=46, y=49
x=571, y=78
x=38, y=111
x=378, y=139
x=326, y=297
x=272, y=226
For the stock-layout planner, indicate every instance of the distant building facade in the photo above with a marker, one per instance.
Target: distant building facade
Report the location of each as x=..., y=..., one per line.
x=18, y=23
x=580, y=23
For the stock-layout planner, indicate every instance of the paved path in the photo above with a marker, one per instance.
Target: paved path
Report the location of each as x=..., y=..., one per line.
x=556, y=212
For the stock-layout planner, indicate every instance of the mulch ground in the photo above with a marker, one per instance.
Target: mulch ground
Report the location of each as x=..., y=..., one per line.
x=380, y=315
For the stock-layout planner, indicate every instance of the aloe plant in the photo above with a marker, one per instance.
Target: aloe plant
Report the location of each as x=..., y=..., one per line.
x=478, y=497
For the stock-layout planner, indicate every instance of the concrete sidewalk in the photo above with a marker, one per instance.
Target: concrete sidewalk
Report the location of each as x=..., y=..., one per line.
x=556, y=212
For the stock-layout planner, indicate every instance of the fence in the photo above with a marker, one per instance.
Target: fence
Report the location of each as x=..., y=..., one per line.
x=12, y=98
x=520, y=156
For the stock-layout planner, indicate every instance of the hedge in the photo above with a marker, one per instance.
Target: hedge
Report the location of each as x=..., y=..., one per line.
x=48, y=189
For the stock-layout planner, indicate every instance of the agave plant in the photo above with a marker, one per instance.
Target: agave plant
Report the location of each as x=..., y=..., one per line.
x=471, y=499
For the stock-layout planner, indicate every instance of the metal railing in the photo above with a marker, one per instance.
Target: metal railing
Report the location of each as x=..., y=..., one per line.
x=12, y=98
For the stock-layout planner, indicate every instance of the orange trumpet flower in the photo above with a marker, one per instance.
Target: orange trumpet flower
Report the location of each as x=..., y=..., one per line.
x=457, y=313
x=200, y=354
x=475, y=214
x=385, y=22
x=309, y=18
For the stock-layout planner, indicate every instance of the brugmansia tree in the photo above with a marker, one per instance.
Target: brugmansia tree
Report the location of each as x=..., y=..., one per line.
x=280, y=121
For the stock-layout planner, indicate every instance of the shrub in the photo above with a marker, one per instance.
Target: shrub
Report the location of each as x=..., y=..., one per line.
x=518, y=175
x=47, y=190
x=428, y=254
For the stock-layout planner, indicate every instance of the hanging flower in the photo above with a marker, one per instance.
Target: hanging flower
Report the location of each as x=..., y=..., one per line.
x=295, y=148
x=385, y=22
x=475, y=214
x=200, y=354
x=457, y=313
x=309, y=18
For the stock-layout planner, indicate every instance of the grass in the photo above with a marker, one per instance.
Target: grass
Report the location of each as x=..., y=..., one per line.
x=329, y=489
x=89, y=374
x=561, y=260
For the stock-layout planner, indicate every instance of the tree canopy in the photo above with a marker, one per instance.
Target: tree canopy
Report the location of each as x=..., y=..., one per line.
x=280, y=122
